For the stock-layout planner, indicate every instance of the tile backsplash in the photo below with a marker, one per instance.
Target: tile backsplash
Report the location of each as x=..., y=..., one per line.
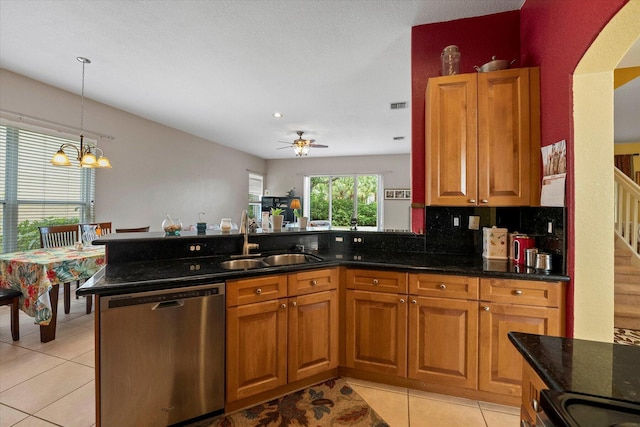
x=447, y=228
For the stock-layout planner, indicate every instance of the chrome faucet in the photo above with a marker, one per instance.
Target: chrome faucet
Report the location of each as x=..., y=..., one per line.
x=244, y=228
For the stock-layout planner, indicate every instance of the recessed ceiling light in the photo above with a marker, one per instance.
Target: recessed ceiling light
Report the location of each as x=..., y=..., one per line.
x=277, y=115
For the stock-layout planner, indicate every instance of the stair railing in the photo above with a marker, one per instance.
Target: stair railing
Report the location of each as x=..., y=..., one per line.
x=627, y=210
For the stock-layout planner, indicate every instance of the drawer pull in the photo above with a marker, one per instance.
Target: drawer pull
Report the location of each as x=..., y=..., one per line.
x=293, y=304
x=402, y=301
x=472, y=200
x=258, y=291
x=443, y=286
x=314, y=282
x=414, y=301
x=517, y=292
x=375, y=281
x=283, y=305
x=535, y=405
x=486, y=308
x=485, y=201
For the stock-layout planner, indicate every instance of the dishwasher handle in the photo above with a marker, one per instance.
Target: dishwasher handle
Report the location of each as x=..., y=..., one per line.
x=168, y=304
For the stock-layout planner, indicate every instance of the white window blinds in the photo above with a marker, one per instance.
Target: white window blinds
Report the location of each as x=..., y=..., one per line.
x=34, y=192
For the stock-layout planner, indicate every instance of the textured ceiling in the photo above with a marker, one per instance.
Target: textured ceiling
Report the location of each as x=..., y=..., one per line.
x=219, y=69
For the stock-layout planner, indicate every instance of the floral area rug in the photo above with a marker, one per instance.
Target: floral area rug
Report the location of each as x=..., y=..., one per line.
x=331, y=403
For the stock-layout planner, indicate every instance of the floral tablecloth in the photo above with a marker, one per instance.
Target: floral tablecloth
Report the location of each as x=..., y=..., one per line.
x=34, y=272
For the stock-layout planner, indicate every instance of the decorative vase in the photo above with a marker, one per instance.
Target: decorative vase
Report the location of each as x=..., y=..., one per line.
x=171, y=227
x=276, y=222
x=302, y=222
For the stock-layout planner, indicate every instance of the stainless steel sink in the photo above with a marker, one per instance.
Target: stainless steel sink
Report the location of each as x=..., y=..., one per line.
x=285, y=259
x=242, y=264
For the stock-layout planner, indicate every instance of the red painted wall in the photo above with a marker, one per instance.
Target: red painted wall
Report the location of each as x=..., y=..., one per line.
x=555, y=35
x=551, y=34
x=478, y=39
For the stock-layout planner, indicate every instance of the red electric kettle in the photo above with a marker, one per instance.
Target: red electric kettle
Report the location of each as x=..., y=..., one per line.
x=520, y=243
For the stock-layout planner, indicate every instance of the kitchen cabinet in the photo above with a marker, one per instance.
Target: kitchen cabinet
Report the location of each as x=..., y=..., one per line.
x=482, y=139
x=520, y=306
x=275, y=338
x=443, y=329
x=376, y=321
x=532, y=384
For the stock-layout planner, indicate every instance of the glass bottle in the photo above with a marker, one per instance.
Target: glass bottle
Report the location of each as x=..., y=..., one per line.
x=450, y=58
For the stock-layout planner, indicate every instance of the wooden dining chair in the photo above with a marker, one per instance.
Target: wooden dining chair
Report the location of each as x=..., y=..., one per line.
x=56, y=236
x=133, y=230
x=12, y=297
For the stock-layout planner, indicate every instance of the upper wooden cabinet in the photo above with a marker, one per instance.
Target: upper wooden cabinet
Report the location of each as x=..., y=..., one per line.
x=483, y=139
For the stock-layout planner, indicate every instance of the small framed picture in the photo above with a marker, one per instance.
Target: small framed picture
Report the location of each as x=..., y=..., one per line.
x=397, y=194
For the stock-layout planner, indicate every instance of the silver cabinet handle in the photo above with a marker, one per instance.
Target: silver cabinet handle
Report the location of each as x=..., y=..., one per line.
x=485, y=308
x=314, y=282
x=443, y=286
x=414, y=301
x=517, y=292
x=258, y=291
x=472, y=200
x=402, y=301
x=375, y=281
x=484, y=201
x=535, y=405
x=283, y=305
x=293, y=304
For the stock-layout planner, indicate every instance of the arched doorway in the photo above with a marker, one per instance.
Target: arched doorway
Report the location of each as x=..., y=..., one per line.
x=593, y=145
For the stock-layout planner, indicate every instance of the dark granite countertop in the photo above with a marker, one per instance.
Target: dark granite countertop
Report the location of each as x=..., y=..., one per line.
x=589, y=367
x=162, y=274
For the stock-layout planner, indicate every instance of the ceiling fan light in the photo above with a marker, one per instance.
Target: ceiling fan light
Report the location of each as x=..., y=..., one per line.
x=60, y=159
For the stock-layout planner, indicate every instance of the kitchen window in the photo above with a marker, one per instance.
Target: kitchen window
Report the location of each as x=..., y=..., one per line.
x=339, y=198
x=35, y=193
x=256, y=185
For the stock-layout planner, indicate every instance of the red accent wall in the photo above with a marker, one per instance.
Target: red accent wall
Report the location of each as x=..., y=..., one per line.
x=478, y=39
x=551, y=34
x=555, y=35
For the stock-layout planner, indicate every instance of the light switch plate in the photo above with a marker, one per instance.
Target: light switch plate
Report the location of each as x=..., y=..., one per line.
x=474, y=222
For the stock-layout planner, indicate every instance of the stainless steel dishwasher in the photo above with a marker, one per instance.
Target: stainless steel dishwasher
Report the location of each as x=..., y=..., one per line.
x=162, y=356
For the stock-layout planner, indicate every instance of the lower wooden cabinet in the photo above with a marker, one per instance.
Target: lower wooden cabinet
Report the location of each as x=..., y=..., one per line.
x=532, y=384
x=256, y=348
x=313, y=334
x=443, y=341
x=376, y=332
x=525, y=306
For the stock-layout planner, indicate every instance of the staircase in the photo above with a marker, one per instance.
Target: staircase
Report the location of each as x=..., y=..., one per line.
x=627, y=252
x=626, y=288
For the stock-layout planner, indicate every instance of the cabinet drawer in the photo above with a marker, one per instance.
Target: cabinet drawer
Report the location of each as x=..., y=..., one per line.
x=444, y=286
x=376, y=280
x=526, y=292
x=307, y=282
x=256, y=289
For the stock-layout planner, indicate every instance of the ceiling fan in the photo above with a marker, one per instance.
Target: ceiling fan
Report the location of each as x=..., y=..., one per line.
x=301, y=146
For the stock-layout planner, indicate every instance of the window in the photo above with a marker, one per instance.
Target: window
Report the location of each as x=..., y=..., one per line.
x=337, y=198
x=33, y=192
x=256, y=183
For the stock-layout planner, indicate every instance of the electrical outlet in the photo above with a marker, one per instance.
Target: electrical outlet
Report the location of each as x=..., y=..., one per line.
x=474, y=222
x=456, y=221
x=338, y=239
x=358, y=240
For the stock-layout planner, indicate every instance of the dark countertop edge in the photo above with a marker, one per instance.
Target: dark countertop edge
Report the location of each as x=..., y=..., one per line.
x=95, y=285
x=514, y=337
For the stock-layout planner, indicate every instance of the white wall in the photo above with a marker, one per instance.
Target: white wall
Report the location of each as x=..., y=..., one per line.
x=282, y=175
x=156, y=169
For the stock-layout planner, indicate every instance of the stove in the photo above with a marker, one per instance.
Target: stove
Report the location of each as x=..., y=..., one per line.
x=566, y=409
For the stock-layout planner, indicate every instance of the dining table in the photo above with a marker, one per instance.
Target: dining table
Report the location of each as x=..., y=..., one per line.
x=37, y=273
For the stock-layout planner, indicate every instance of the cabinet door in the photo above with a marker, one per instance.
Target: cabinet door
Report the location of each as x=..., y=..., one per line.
x=451, y=140
x=500, y=366
x=256, y=348
x=532, y=384
x=443, y=340
x=504, y=139
x=313, y=334
x=376, y=332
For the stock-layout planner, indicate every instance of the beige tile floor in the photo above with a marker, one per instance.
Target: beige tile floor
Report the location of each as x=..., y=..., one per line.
x=53, y=384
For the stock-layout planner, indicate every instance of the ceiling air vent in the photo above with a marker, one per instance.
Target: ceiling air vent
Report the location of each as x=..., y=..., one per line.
x=398, y=105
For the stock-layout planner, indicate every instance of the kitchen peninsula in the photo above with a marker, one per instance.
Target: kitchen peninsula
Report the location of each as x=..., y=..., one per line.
x=351, y=283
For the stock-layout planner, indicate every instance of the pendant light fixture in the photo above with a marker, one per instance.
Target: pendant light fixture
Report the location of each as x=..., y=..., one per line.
x=86, y=152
